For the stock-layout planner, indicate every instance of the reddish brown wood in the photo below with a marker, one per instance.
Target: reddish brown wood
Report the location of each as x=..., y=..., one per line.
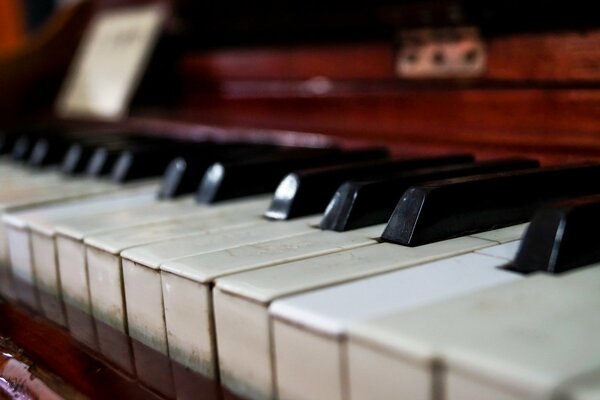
x=56, y=351
x=29, y=77
x=356, y=61
x=12, y=25
x=566, y=56
x=73, y=369
x=556, y=122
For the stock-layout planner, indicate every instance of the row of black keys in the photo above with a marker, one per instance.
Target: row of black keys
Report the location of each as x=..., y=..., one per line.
x=440, y=197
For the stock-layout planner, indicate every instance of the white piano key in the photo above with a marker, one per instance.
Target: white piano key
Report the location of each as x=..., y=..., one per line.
x=29, y=196
x=45, y=272
x=49, y=196
x=141, y=265
x=585, y=386
x=42, y=219
x=70, y=247
x=22, y=265
x=104, y=260
x=503, y=235
x=317, y=372
x=82, y=226
x=505, y=251
x=21, y=176
x=244, y=354
x=521, y=340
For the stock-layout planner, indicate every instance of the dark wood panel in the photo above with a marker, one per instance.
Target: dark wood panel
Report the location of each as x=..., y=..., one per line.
x=559, y=122
x=30, y=76
x=566, y=56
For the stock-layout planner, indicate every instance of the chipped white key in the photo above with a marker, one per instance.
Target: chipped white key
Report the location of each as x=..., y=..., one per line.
x=241, y=300
x=309, y=330
x=142, y=277
x=521, y=340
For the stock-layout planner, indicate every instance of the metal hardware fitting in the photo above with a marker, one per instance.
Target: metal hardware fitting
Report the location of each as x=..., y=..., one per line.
x=440, y=53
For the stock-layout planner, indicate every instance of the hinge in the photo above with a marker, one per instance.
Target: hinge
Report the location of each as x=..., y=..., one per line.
x=440, y=53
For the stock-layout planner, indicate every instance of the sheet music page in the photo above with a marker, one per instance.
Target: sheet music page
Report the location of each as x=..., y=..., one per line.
x=110, y=62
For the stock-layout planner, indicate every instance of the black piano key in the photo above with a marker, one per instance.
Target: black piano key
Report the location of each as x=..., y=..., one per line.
x=561, y=237
x=102, y=161
x=358, y=204
x=455, y=207
x=307, y=192
x=105, y=156
x=145, y=162
x=22, y=148
x=184, y=174
x=77, y=158
x=152, y=160
x=180, y=178
x=229, y=180
x=80, y=153
x=7, y=142
x=48, y=151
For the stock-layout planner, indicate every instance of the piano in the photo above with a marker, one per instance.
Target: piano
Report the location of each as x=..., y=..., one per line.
x=375, y=200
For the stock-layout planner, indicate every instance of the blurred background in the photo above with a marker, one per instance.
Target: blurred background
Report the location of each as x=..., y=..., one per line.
x=20, y=18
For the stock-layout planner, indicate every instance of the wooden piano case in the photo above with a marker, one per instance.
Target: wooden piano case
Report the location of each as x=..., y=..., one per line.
x=502, y=78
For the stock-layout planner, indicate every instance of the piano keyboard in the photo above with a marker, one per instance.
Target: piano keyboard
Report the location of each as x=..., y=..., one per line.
x=282, y=276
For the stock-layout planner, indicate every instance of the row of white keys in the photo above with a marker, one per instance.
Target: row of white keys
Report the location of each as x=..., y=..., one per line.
x=13, y=178
x=15, y=174
x=535, y=338
x=18, y=223
x=107, y=271
x=30, y=233
x=309, y=330
x=180, y=289
x=242, y=299
x=46, y=245
x=37, y=186
x=217, y=228
x=73, y=190
x=70, y=235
